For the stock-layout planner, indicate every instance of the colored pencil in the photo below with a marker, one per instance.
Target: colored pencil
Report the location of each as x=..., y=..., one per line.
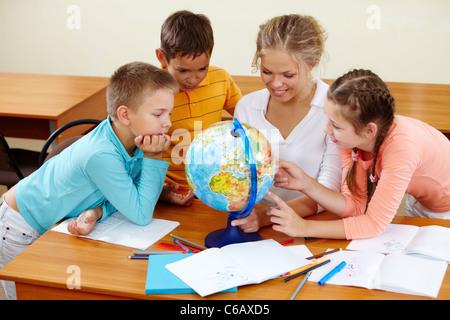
x=195, y=245
x=286, y=242
x=307, y=267
x=182, y=246
x=305, y=271
x=323, y=253
x=168, y=246
x=152, y=252
x=300, y=286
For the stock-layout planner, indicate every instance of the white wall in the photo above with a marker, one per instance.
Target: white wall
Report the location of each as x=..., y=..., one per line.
x=401, y=40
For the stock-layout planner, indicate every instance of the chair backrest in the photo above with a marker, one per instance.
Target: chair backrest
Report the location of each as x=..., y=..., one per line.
x=10, y=173
x=44, y=155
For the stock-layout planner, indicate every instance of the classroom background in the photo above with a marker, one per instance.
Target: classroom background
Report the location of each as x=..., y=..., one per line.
x=403, y=41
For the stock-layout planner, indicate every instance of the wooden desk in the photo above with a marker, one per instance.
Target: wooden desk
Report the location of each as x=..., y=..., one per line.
x=41, y=271
x=34, y=105
x=427, y=102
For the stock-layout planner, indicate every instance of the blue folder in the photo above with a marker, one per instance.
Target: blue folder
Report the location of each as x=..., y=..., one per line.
x=161, y=281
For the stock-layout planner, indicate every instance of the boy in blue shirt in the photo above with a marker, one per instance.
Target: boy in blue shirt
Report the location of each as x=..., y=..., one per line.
x=117, y=166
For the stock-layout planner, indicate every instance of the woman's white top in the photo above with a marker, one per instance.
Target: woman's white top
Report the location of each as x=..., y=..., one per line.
x=307, y=145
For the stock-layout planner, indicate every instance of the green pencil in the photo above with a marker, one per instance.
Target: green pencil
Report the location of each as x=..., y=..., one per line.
x=188, y=242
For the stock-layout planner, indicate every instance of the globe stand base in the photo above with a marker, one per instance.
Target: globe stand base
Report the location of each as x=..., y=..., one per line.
x=229, y=235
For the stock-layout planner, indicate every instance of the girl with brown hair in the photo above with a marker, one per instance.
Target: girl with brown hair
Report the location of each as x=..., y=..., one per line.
x=383, y=156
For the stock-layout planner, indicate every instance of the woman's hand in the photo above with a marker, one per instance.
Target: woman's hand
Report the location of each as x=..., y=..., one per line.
x=254, y=221
x=290, y=176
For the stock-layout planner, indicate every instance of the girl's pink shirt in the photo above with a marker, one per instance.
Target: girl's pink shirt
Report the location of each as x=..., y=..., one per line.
x=413, y=159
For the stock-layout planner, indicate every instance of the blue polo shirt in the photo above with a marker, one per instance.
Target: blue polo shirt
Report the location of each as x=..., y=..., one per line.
x=94, y=171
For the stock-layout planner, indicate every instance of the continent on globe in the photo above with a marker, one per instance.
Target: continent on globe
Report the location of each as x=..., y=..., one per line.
x=218, y=169
x=232, y=187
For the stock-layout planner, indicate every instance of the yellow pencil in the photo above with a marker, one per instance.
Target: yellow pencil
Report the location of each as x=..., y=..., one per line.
x=298, y=270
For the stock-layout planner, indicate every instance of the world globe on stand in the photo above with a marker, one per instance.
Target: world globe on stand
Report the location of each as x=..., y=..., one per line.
x=229, y=166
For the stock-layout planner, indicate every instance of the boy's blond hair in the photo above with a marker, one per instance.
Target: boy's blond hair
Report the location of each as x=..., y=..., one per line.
x=132, y=82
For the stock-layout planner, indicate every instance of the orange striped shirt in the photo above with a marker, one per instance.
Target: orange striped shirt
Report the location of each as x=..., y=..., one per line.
x=194, y=111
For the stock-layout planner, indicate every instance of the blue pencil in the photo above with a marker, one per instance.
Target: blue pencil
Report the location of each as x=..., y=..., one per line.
x=182, y=246
x=338, y=268
x=300, y=285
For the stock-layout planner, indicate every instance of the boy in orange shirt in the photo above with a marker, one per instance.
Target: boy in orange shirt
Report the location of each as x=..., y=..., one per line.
x=205, y=91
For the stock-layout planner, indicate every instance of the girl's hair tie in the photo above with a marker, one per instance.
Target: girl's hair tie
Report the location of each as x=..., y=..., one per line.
x=373, y=178
x=355, y=154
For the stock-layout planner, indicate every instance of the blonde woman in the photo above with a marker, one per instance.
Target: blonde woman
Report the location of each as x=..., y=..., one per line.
x=290, y=110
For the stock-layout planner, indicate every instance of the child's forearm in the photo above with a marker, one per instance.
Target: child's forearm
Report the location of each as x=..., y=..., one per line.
x=99, y=212
x=329, y=199
x=332, y=229
x=304, y=206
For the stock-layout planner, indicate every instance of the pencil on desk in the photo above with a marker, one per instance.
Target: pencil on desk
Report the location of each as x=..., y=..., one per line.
x=197, y=248
x=182, y=246
x=287, y=241
x=168, y=246
x=153, y=252
x=323, y=253
x=307, y=270
x=193, y=244
x=300, y=285
x=138, y=257
x=307, y=267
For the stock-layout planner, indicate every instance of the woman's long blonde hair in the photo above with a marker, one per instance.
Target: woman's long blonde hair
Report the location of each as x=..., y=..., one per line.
x=300, y=36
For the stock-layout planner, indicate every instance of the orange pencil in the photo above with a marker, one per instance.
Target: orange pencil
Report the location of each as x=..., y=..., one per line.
x=298, y=270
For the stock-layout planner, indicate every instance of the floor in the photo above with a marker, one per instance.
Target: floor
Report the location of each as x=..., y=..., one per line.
x=37, y=145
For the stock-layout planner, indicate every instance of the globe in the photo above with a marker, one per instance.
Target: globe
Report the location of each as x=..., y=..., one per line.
x=229, y=166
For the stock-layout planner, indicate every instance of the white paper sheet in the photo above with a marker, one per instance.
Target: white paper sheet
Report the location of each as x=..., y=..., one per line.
x=430, y=241
x=119, y=230
x=215, y=270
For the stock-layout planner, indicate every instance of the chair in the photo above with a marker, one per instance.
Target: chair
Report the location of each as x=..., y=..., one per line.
x=44, y=155
x=15, y=163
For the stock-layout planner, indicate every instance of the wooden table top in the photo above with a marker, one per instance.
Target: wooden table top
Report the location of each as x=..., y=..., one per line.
x=106, y=272
x=44, y=96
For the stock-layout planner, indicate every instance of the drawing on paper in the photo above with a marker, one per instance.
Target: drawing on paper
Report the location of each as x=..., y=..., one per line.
x=352, y=269
x=141, y=232
x=220, y=278
x=394, y=245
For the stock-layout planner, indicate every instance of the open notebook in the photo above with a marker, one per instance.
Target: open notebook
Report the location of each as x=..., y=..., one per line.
x=119, y=230
x=214, y=270
x=392, y=272
x=429, y=241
